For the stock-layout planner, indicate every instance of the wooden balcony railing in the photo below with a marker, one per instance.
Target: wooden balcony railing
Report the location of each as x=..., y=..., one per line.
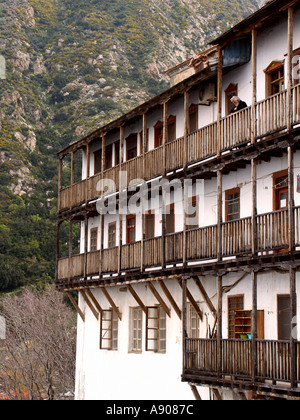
x=273, y=359
x=271, y=116
x=201, y=244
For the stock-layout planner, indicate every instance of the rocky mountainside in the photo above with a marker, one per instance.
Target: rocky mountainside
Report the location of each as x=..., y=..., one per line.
x=73, y=65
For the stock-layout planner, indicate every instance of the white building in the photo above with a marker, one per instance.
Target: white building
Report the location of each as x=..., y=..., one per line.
x=207, y=296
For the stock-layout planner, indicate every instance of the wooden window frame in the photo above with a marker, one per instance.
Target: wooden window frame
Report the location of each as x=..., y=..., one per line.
x=232, y=90
x=158, y=131
x=170, y=208
x=134, y=332
x=113, y=327
x=134, y=150
x=231, y=312
x=93, y=246
x=277, y=309
x=227, y=193
x=194, y=200
x=156, y=337
x=111, y=225
x=272, y=68
x=277, y=176
x=152, y=233
x=129, y=229
x=192, y=314
x=296, y=53
x=97, y=162
x=108, y=157
x=193, y=109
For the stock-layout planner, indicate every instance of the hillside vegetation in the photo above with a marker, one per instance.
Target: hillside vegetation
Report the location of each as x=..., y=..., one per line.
x=73, y=65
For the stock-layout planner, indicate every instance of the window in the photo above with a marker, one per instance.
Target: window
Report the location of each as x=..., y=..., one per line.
x=231, y=91
x=136, y=333
x=171, y=128
x=131, y=146
x=94, y=237
x=170, y=220
x=274, y=78
x=193, y=118
x=117, y=153
x=235, y=303
x=193, y=322
x=109, y=330
x=108, y=157
x=232, y=203
x=131, y=228
x=284, y=317
x=97, y=162
x=112, y=229
x=280, y=190
x=149, y=225
x=296, y=66
x=192, y=213
x=156, y=321
x=158, y=131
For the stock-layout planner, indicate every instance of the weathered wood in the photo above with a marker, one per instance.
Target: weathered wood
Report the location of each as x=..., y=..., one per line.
x=293, y=337
x=112, y=303
x=205, y=295
x=220, y=324
x=192, y=301
x=195, y=392
x=290, y=68
x=88, y=302
x=219, y=216
x=79, y=311
x=254, y=325
x=94, y=300
x=219, y=98
x=137, y=298
x=159, y=299
x=170, y=298
x=254, y=85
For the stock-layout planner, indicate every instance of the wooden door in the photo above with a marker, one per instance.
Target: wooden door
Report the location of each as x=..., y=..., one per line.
x=131, y=229
x=284, y=317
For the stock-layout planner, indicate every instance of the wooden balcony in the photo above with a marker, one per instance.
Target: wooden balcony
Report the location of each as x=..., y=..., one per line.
x=201, y=248
x=236, y=130
x=249, y=364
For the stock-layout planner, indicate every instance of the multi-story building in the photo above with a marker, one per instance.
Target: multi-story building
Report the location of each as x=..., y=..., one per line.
x=189, y=214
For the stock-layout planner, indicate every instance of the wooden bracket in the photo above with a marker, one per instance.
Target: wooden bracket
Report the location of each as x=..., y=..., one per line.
x=113, y=305
x=160, y=299
x=137, y=298
x=88, y=302
x=193, y=302
x=205, y=296
x=170, y=297
x=94, y=300
x=79, y=311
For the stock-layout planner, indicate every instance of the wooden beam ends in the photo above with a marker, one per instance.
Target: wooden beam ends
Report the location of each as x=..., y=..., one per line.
x=113, y=305
x=137, y=298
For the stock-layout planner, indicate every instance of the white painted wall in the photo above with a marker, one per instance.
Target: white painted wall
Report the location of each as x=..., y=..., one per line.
x=113, y=375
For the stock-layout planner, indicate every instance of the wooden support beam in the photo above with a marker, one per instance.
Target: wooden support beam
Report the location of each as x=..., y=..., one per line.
x=79, y=311
x=293, y=338
x=170, y=298
x=72, y=168
x=254, y=86
x=217, y=394
x=137, y=298
x=219, y=95
x=112, y=303
x=254, y=325
x=205, y=296
x=94, y=300
x=219, y=215
x=290, y=68
x=192, y=301
x=160, y=299
x=88, y=302
x=195, y=392
x=219, y=324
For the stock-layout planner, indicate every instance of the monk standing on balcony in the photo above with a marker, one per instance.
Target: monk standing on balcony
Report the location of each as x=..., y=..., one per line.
x=238, y=104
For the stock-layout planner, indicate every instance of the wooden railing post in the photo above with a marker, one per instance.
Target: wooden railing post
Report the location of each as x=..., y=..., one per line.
x=254, y=325
x=293, y=337
x=219, y=325
x=290, y=69
x=219, y=216
x=220, y=84
x=254, y=87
